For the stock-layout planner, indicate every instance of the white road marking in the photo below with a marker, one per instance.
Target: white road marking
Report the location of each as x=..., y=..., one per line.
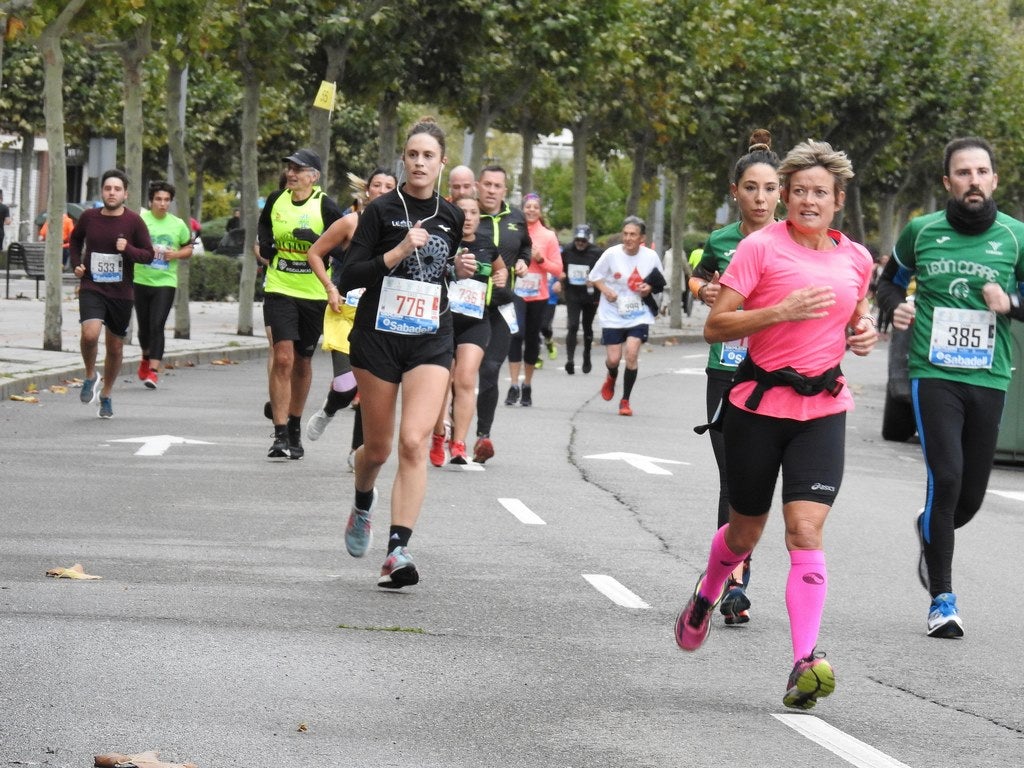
x=648, y=464
x=1014, y=495
x=614, y=591
x=851, y=750
x=157, y=445
x=472, y=466
x=690, y=371
x=521, y=511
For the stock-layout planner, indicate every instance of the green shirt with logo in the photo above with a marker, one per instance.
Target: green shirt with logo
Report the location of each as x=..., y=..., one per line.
x=168, y=232
x=954, y=335
x=718, y=252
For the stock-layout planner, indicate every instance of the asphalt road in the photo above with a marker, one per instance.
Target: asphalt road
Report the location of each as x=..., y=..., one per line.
x=230, y=627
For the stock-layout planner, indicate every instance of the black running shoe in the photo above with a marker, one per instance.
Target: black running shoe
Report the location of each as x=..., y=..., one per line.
x=527, y=399
x=279, y=450
x=295, y=449
x=513, y=395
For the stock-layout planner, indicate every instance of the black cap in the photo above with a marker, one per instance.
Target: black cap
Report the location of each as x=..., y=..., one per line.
x=307, y=158
x=582, y=232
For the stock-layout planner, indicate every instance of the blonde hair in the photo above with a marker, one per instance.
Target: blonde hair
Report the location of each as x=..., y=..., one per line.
x=811, y=154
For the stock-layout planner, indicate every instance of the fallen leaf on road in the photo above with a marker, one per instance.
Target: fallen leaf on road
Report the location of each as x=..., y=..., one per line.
x=149, y=759
x=25, y=398
x=302, y=728
x=58, y=389
x=223, y=361
x=31, y=388
x=76, y=571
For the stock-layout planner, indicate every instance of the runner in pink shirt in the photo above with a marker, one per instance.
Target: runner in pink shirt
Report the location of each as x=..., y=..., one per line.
x=798, y=291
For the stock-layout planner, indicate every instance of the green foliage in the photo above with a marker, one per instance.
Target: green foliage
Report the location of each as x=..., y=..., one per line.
x=607, y=188
x=213, y=277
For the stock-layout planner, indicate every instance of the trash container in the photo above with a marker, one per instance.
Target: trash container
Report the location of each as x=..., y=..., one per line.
x=1010, y=445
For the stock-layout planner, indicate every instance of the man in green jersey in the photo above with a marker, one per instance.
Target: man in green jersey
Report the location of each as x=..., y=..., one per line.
x=156, y=282
x=968, y=262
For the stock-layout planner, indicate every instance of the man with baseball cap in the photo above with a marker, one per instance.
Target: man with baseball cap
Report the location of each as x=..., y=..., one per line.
x=291, y=220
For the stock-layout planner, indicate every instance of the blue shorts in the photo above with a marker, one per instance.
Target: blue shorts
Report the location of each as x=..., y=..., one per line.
x=610, y=336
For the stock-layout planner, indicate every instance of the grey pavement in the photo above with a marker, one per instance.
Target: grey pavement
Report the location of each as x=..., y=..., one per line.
x=213, y=335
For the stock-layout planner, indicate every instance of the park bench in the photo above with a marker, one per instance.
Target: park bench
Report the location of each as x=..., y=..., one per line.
x=31, y=257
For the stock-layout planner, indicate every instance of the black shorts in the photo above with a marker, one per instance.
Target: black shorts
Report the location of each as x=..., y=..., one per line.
x=811, y=455
x=116, y=314
x=610, y=336
x=298, y=320
x=390, y=355
x=469, y=330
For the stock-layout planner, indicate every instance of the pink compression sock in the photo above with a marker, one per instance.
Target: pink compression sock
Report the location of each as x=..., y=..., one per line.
x=721, y=562
x=806, y=588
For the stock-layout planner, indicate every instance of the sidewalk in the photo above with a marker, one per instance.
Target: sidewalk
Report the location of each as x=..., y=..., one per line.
x=23, y=361
x=214, y=336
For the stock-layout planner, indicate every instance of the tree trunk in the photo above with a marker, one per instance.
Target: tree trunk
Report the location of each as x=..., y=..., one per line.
x=680, y=191
x=250, y=210
x=387, y=124
x=580, y=139
x=26, y=227
x=53, y=111
x=526, y=176
x=886, y=223
x=320, y=119
x=478, y=158
x=636, y=186
x=177, y=88
x=133, y=56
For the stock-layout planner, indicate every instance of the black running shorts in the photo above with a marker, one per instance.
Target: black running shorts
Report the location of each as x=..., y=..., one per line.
x=298, y=320
x=811, y=455
x=389, y=355
x=115, y=314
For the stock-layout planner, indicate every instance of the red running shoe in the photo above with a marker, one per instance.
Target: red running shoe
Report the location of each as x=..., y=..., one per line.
x=608, y=388
x=143, y=369
x=483, y=450
x=437, y=444
x=624, y=409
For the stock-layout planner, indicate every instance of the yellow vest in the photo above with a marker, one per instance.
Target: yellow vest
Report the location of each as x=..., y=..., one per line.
x=289, y=272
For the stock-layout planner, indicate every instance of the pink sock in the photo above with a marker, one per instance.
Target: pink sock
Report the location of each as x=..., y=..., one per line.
x=722, y=561
x=806, y=588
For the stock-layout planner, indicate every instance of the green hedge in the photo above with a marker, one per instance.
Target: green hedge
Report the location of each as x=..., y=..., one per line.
x=213, y=277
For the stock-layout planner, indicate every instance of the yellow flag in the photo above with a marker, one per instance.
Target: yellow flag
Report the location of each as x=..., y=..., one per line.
x=325, y=96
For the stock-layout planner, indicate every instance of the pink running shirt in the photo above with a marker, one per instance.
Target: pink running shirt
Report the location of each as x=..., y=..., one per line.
x=767, y=267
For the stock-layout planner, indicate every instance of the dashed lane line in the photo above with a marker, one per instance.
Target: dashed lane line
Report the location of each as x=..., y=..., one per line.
x=522, y=512
x=614, y=591
x=852, y=750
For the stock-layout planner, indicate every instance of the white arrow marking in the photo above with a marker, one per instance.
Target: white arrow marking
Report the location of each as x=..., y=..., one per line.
x=648, y=464
x=1015, y=495
x=614, y=591
x=522, y=512
x=851, y=750
x=157, y=445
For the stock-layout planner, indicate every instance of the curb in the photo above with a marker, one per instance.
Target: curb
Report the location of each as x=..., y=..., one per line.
x=48, y=378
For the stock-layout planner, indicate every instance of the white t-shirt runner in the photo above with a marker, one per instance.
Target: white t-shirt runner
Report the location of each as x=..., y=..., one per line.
x=619, y=271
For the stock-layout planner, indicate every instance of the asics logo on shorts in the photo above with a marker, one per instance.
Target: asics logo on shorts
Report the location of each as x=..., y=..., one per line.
x=823, y=487
x=814, y=578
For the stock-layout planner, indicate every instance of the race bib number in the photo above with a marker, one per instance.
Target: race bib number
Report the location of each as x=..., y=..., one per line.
x=408, y=307
x=962, y=338
x=353, y=296
x=508, y=312
x=467, y=297
x=577, y=274
x=528, y=286
x=630, y=306
x=107, y=267
x=733, y=353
